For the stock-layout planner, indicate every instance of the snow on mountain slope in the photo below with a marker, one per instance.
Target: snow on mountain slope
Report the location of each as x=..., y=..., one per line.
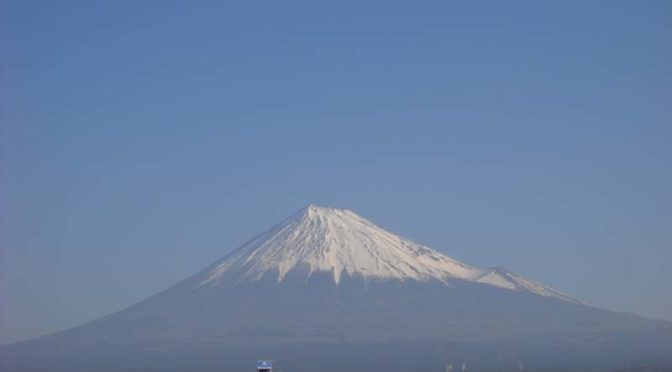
x=504, y=278
x=338, y=241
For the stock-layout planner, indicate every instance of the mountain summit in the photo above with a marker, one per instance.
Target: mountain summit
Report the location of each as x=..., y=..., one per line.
x=340, y=242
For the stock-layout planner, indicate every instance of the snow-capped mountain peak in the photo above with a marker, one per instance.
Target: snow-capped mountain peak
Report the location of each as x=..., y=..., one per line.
x=338, y=241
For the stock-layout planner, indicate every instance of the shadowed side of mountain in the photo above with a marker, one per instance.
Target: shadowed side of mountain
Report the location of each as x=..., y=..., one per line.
x=318, y=312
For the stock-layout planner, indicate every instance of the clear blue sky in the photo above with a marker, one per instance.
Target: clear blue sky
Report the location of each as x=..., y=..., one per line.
x=142, y=140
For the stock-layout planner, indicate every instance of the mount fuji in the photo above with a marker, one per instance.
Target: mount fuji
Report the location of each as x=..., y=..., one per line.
x=327, y=289
x=338, y=242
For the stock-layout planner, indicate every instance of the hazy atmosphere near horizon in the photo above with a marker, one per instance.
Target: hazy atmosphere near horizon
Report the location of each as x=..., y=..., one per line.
x=142, y=141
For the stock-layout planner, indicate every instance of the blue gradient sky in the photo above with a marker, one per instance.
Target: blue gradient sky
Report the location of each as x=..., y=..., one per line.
x=143, y=140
